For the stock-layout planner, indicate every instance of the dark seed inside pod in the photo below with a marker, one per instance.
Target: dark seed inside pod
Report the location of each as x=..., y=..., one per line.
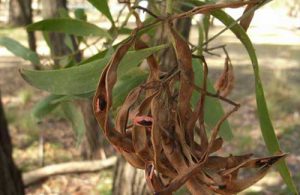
x=101, y=103
x=145, y=123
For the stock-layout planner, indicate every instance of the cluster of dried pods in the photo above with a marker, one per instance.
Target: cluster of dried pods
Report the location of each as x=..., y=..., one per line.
x=157, y=130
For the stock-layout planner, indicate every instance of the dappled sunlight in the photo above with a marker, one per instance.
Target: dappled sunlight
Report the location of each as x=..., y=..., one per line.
x=273, y=178
x=271, y=25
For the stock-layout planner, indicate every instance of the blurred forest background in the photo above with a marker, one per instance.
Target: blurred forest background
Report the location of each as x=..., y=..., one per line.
x=40, y=141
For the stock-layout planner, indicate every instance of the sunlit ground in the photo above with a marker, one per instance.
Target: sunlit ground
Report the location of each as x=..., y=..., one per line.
x=277, y=41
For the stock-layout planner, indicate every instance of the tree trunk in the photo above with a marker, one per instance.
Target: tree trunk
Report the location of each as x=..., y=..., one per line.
x=128, y=180
x=17, y=16
x=92, y=143
x=10, y=179
x=27, y=10
x=51, y=9
x=20, y=14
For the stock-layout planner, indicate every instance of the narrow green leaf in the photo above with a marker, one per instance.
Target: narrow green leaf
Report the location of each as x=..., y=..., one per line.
x=74, y=115
x=71, y=110
x=201, y=38
x=82, y=79
x=149, y=30
x=127, y=82
x=103, y=53
x=213, y=109
x=45, y=106
x=47, y=40
x=19, y=50
x=69, y=26
x=102, y=6
x=97, y=56
x=267, y=129
x=206, y=25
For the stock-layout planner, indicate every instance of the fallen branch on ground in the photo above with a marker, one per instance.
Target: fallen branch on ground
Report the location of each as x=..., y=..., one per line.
x=66, y=168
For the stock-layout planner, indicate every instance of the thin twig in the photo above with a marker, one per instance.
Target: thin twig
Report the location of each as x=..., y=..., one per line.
x=216, y=95
x=216, y=47
x=148, y=11
x=120, y=14
x=211, y=7
x=216, y=129
x=246, y=14
x=200, y=90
